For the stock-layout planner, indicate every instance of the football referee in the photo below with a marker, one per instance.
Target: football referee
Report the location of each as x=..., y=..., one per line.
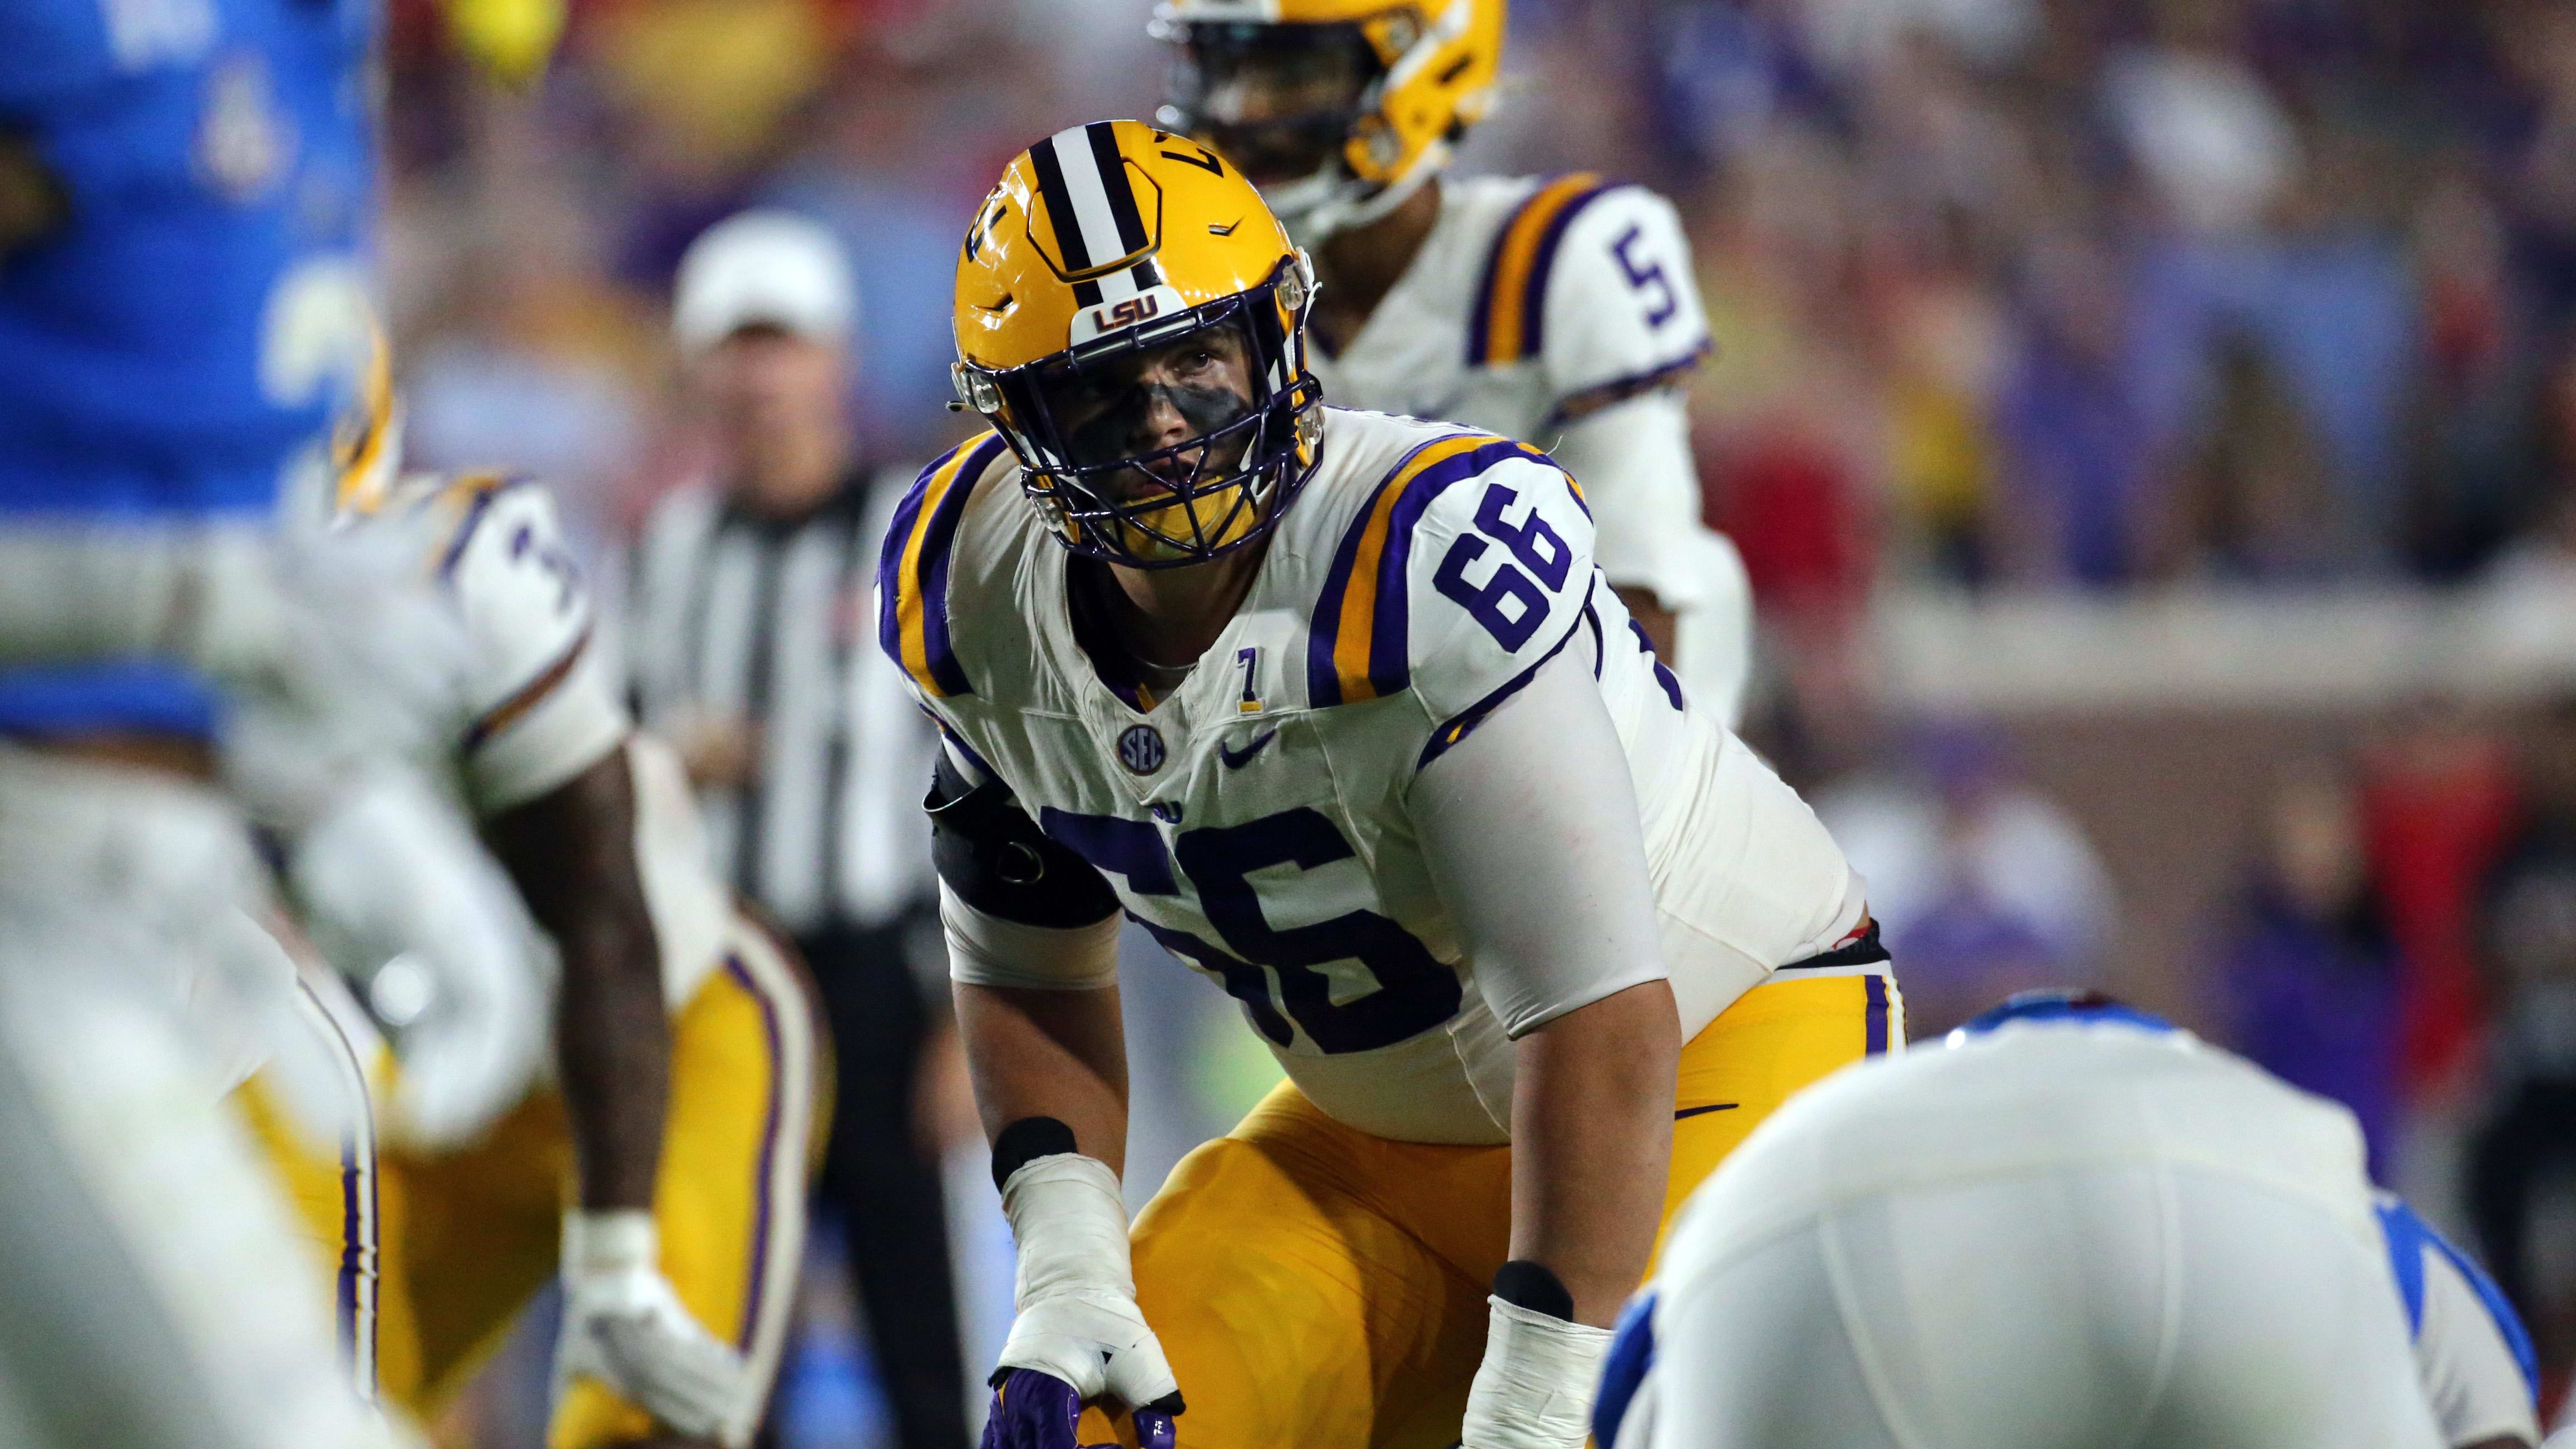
x=751, y=652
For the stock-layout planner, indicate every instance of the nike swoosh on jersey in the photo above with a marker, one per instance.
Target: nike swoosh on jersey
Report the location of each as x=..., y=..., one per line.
x=1697, y=1111
x=1236, y=761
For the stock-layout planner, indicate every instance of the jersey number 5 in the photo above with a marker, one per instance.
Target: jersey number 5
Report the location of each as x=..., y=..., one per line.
x=1511, y=602
x=1651, y=275
x=1415, y=992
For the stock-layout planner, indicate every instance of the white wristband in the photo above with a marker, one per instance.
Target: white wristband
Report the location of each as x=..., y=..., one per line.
x=1071, y=1226
x=1534, y=1390
x=599, y=1243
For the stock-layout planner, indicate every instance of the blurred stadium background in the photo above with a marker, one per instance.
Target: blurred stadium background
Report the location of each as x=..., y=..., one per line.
x=2150, y=428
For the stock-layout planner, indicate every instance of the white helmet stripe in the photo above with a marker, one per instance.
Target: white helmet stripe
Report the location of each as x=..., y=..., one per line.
x=1092, y=220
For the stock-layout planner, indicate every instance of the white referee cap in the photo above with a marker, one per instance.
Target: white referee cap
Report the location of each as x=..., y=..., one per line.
x=763, y=267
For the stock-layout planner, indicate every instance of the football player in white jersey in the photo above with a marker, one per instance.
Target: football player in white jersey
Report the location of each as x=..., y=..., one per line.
x=1337, y=706
x=2076, y=1224
x=663, y=1171
x=1559, y=310
x=145, y=1012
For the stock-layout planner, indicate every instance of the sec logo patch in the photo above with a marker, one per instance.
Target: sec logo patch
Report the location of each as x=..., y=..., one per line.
x=1140, y=749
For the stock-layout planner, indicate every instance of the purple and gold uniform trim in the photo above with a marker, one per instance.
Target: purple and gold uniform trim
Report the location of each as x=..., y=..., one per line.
x=524, y=700
x=479, y=490
x=1464, y=723
x=1356, y=643
x=1511, y=302
x=912, y=573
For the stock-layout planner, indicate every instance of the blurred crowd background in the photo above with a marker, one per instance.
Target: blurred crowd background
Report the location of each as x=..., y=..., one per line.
x=2150, y=429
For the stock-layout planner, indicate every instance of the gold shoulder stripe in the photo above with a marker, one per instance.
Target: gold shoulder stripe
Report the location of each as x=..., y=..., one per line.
x=1507, y=323
x=912, y=572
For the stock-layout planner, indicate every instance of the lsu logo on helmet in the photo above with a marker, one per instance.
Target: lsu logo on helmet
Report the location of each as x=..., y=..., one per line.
x=1106, y=250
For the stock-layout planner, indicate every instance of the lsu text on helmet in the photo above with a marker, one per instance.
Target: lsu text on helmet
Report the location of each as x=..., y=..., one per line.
x=1339, y=109
x=1132, y=319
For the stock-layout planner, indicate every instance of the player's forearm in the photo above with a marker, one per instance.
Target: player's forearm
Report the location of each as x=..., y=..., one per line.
x=1060, y=1054
x=572, y=854
x=1592, y=1138
x=613, y=1047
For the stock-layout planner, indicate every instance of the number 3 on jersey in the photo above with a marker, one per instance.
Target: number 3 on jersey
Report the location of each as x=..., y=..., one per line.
x=1511, y=601
x=1414, y=991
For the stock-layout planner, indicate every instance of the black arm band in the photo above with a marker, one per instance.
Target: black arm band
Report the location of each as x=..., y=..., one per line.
x=1027, y=1140
x=996, y=859
x=1534, y=1286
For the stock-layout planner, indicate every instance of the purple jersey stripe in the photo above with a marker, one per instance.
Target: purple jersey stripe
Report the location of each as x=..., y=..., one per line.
x=1534, y=299
x=1619, y=389
x=1323, y=680
x=1466, y=720
x=935, y=552
x=907, y=512
x=930, y=564
x=352, y=1247
x=1646, y=646
x=1390, y=668
x=762, y=1208
x=1875, y=1043
x=487, y=490
x=954, y=738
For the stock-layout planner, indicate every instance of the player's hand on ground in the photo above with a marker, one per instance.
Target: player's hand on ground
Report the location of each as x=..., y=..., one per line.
x=1079, y=1336
x=1534, y=1388
x=1096, y=1340
x=1033, y=1410
x=624, y=1327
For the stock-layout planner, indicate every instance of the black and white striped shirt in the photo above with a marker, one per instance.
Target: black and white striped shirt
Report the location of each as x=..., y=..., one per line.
x=732, y=614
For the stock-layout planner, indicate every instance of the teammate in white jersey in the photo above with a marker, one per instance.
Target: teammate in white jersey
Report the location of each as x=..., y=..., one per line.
x=2076, y=1225
x=1558, y=310
x=1338, y=707
x=663, y=1172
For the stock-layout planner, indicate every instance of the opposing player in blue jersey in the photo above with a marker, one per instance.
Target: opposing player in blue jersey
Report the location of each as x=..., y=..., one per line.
x=184, y=189
x=2078, y=1224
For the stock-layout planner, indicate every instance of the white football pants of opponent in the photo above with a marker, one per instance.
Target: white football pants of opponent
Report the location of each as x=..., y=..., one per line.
x=2075, y=1226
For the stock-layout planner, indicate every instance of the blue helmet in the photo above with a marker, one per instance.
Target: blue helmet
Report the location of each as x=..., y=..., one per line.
x=2058, y=1003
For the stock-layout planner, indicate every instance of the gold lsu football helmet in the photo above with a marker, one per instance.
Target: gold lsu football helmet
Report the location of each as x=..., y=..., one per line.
x=1340, y=109
x=1132, y=319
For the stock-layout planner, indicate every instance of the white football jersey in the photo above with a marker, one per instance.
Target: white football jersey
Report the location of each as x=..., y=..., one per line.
x=1534, y=298
x=545, y=707
x=1529, y=293
x=1254, y=821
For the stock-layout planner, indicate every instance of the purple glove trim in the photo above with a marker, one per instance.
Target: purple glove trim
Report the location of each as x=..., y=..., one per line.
x=1033, y=1410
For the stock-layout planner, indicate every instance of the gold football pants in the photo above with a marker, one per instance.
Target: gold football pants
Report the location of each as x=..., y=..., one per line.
x=471, y=1235
x=1319, y=1288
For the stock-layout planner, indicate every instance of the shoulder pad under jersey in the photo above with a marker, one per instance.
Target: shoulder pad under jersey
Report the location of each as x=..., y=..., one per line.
x=1470, y=564
x=526, y=607
x=914, y=624
x=1594, y=279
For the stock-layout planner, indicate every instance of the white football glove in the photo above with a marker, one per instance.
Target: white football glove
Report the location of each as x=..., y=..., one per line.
x=391, y=872
x=623, y=1326
x=1534, y=1388
x=1076, y=1288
